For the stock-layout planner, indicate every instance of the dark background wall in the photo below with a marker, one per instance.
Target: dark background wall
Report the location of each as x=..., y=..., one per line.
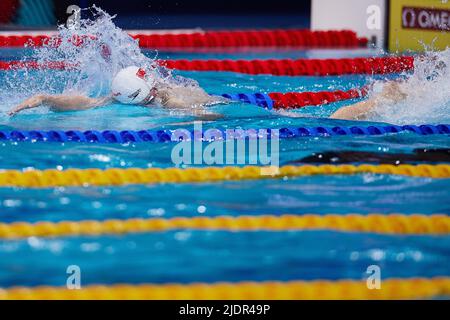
x=159, y=14
x=198, y=6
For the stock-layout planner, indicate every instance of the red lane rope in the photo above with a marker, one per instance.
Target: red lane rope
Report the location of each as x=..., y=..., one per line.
x=253, y=38
x=300, y=67
x=288, y=67
x=223, y=39
x=295, y=100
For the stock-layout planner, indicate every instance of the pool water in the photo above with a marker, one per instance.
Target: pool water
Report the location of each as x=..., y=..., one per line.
x=186, y=256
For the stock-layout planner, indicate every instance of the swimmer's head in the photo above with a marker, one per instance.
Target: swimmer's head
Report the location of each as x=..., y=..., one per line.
x=133, y=85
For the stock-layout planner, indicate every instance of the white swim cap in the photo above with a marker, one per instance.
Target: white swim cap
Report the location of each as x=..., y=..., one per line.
x=132, y=85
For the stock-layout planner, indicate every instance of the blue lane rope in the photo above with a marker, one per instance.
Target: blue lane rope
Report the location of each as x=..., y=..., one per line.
x=125, y=136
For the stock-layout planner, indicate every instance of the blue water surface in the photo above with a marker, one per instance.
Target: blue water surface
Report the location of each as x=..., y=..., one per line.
x=202, y=256
x=187, y=256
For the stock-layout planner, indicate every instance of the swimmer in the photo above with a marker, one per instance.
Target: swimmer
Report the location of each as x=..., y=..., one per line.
x=132, y=85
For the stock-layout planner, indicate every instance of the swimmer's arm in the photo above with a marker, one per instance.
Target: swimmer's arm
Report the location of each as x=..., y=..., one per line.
x=392, y=93
x=358, y=111
x=174, y=103
x=61, y=103
x=200, y=112
x=74, y=102
x=171, y=100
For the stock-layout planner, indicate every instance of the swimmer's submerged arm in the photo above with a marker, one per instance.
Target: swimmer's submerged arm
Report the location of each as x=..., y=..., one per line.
x=392, y=93
x=199, y=110
x=61, y=103
x=358, y=111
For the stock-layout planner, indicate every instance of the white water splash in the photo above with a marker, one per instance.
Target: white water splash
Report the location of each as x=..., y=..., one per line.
x=105, y=49
x=97, y=50
x=426, y=93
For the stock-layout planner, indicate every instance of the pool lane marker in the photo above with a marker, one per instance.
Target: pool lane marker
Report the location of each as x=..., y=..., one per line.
x=120, y=176
x=278, y=67
x=391, y=288
x=180, y=39
x=435, y=224
x=131, y=136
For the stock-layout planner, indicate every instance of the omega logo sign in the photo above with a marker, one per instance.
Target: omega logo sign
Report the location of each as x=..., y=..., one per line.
x=425, y=18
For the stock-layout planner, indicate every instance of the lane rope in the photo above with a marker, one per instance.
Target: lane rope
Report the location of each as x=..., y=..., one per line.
x=296, y=100
x=214, y=39
x=300, y=67
x=120, y=176
x=160, y=136
x=435, y=224
x=280, y=67
x=393, y=288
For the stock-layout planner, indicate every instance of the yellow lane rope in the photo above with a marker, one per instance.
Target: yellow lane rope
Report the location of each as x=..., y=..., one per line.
x=411, y=288
x=117, y=176
x=377, y=223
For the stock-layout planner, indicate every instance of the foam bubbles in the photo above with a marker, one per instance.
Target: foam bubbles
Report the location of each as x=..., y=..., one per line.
x=425, y=93
x=96, y=52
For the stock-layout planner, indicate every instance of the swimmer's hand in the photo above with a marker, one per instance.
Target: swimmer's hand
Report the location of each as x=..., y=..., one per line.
x=30, y=103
